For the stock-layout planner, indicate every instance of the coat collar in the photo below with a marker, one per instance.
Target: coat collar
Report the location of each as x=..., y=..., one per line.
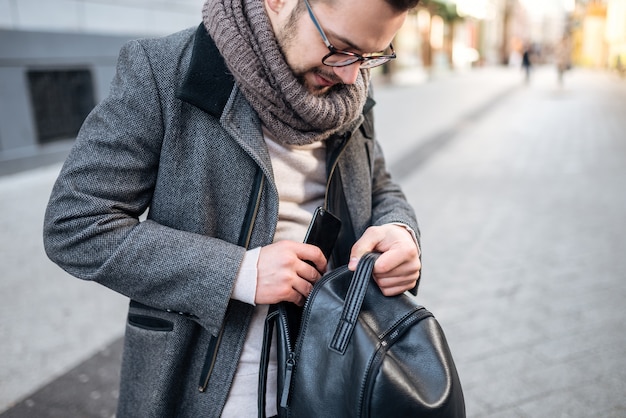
x=208, y=83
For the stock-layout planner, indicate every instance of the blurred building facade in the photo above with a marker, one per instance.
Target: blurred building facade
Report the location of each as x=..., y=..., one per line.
x=598, y=33
x=616, y=34
x=461, y=34
x=57, y=58
x=452, y=35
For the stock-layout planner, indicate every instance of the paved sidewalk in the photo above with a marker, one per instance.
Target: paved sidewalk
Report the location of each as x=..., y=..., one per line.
x=49, y=321
x=519, y=192
x=523, y=218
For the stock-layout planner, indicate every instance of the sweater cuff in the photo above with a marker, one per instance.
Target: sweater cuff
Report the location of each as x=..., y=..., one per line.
x=244, y=289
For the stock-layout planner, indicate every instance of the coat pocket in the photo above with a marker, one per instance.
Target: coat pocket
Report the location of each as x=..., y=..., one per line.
x=150, y=323
x=154, y=362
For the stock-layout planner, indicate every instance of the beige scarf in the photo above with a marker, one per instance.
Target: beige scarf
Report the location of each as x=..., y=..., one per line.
x=244, y=36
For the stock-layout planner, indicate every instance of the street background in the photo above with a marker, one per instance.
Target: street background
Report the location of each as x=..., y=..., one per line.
x=519, y=190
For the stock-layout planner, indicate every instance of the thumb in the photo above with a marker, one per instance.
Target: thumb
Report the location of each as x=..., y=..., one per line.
x=367, y=243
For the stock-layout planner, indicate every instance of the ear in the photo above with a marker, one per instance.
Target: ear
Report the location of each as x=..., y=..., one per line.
x=275, y=6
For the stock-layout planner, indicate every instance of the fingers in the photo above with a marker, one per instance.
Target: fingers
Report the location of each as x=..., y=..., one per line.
x=286, y=271
x=397, y=271
x=368, y=242
x=398, y=263
x=391, y=286
x=302, y=289
x=299, y=286
x=313, y=256
x=398, y=267
x=392, y=238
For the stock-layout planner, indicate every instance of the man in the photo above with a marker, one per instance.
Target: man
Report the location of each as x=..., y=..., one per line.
x=279, y=86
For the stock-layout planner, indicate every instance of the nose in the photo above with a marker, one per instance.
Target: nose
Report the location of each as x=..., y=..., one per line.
x=349, y=73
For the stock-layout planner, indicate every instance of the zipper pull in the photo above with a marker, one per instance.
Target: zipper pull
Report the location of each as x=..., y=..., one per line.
x=291, y=362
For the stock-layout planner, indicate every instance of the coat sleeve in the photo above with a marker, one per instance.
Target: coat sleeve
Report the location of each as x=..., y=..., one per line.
x=389, y=203
x=92, y=226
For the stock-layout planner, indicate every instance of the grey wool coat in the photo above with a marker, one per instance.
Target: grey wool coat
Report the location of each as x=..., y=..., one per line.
x=176, y=139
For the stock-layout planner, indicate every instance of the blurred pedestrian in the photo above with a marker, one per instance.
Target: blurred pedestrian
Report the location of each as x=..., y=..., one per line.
x=527, y=62
x=619, y=66
x=278, y=87
x=563, y=59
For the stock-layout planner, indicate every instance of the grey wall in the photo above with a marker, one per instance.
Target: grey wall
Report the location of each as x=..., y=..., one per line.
x=22, y=51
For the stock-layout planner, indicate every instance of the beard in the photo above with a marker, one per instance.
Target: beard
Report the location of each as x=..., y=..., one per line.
x=286, y=40
x=317, y=90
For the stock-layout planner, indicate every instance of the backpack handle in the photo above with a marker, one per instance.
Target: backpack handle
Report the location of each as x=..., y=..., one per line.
x=352, y=304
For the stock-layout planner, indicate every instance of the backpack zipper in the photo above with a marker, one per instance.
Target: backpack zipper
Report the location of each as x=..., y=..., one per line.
x=292, y=358
x=387, y=339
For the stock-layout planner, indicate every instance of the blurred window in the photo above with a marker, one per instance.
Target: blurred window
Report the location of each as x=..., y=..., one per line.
x=61, y=101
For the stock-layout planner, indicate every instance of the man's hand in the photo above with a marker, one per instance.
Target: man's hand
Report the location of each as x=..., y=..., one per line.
x=284, y=275
x=398, y=267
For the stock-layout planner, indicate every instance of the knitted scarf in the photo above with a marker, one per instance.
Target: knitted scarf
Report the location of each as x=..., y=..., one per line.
x=243, y=34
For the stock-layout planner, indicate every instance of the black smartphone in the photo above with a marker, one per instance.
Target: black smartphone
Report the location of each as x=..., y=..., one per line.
x=323, y=231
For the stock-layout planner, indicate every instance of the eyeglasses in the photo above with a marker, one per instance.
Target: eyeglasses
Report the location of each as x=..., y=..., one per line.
x=339, y=58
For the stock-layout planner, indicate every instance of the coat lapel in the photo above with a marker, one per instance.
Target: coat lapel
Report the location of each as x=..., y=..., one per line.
x=210, y=86
x=241, y=121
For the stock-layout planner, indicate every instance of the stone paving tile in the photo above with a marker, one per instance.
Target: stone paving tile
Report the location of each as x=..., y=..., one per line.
x=607, y=393
x=557, y=405
x=88, y=390
x=512, y=412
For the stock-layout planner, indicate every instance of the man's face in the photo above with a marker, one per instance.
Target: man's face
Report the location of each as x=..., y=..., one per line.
x=361, y=26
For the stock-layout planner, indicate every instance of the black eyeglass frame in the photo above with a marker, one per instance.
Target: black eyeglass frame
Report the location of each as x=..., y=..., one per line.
x=351, y=57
